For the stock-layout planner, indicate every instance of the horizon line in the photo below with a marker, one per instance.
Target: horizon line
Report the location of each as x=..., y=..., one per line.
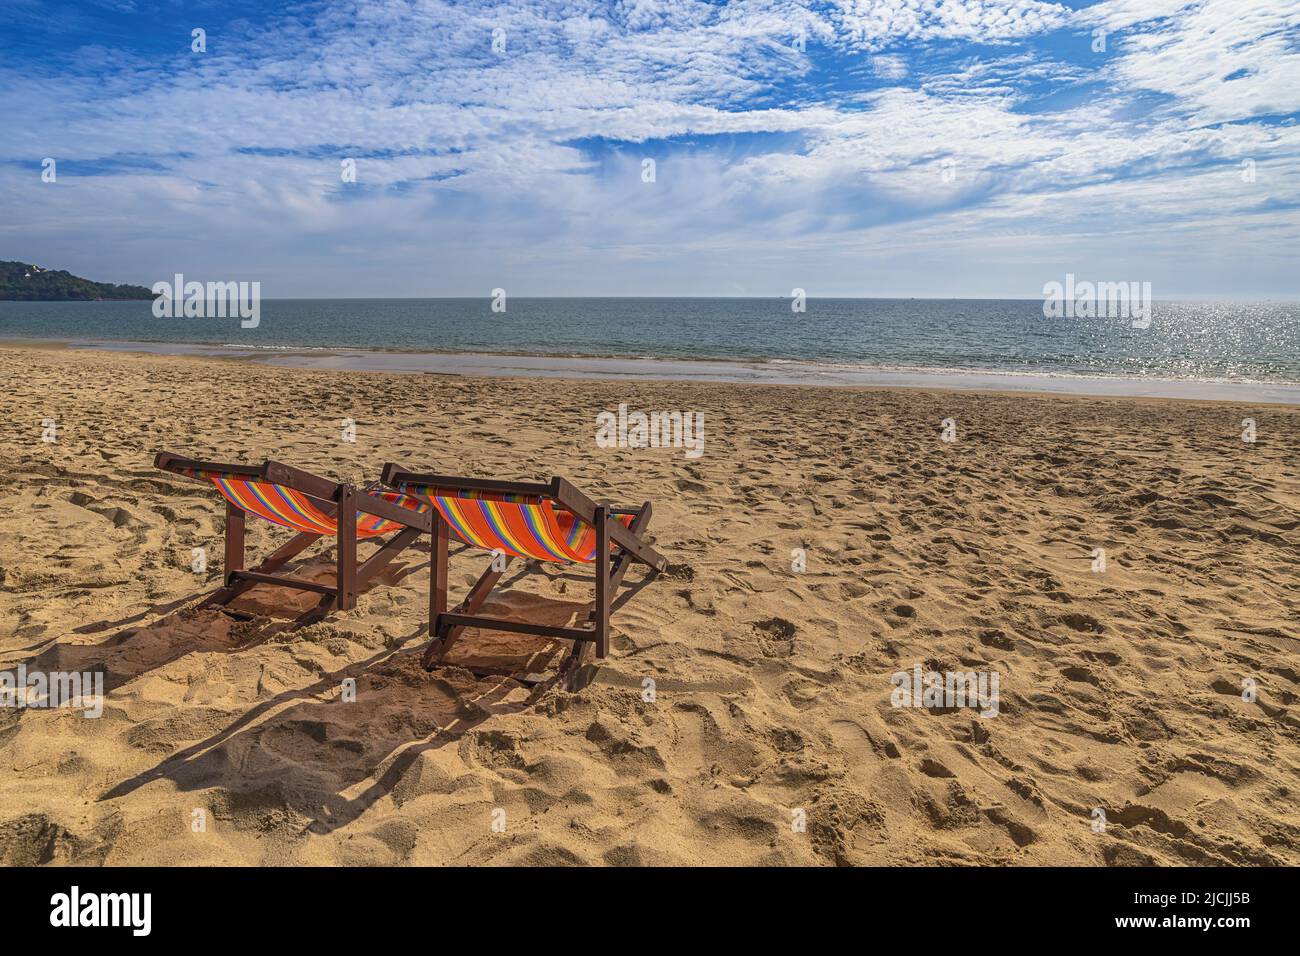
x=1179, y=297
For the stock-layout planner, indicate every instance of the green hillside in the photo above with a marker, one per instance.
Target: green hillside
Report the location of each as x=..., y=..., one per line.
x=23, y=281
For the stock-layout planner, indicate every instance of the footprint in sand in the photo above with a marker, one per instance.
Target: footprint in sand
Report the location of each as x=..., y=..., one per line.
x=1083, y=623
x=776, y=636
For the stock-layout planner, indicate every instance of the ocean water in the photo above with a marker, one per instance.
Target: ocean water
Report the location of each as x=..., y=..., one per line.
x=1186, y=341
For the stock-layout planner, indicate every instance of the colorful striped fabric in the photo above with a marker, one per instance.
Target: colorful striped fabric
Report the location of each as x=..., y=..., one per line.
x=523, y=526
x=293, y=509
x=368, y=526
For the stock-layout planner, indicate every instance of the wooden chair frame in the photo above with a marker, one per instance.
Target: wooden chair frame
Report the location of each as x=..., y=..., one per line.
x=338, y=499
x=445, y=626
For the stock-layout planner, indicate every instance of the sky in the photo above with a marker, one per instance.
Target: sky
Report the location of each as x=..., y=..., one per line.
x=941, y=148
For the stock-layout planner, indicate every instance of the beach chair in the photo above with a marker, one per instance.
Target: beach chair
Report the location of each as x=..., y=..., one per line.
x=551, y=522
x=314, y=507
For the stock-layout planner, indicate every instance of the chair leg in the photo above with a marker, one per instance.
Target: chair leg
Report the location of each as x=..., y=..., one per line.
x=601, y=609
x=438, y=561
x=234, y=558
x=346, y=517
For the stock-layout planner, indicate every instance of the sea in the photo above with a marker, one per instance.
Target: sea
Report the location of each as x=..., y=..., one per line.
x=1192, y=349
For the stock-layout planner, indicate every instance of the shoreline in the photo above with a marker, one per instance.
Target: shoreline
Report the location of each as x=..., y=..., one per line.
x=781, y=372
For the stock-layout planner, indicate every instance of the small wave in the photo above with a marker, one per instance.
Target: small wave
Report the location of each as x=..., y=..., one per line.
x=243, y=347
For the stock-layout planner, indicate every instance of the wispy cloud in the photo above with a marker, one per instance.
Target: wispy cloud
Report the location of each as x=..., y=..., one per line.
x=866, y=147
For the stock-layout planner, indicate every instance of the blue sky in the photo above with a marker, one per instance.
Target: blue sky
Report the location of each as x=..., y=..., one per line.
x=858, y=147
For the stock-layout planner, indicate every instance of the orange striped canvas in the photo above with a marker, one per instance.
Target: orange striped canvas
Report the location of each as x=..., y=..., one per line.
x=522, y=526
x=293, y=509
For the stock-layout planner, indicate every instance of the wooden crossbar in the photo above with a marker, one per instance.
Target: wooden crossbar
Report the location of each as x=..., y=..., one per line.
x=283, y=580
x=451, y=619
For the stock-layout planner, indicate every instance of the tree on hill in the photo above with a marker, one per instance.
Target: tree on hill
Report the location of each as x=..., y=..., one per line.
x=27, y=282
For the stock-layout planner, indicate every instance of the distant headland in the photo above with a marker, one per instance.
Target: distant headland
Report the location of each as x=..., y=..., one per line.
x=26, y=282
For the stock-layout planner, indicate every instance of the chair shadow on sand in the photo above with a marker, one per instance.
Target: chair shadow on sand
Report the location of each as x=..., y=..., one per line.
x=254, y=618
x=308, y=751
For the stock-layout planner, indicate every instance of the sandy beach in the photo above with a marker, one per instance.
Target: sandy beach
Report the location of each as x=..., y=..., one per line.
x=826, y=540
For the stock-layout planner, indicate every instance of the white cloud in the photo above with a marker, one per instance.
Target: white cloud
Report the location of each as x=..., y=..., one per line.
x=891, y=67
x=1190, y=57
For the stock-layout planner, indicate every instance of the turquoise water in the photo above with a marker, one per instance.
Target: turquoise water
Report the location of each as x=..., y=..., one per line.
x=1186, y=340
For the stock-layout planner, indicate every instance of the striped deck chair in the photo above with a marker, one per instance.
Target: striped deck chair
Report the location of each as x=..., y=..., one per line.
x=545, y=522
x=315, y=508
